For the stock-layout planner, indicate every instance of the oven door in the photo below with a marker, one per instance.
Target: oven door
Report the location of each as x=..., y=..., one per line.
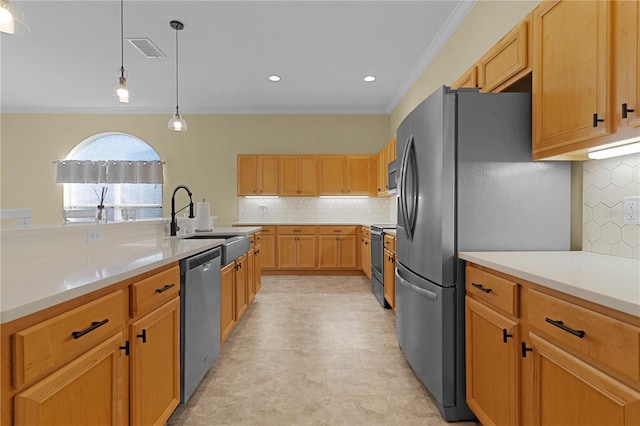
x=377, y=254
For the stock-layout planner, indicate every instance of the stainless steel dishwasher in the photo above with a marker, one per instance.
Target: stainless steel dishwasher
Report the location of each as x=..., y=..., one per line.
x=200, y=317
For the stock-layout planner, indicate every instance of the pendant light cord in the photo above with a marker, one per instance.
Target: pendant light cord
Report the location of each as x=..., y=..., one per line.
x=177, y=111
x=122, y=38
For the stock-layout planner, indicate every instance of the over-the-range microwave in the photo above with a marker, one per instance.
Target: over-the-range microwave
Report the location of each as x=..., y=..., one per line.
x=392, y=171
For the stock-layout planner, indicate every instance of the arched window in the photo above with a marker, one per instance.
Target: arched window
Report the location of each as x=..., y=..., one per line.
x=118, y=156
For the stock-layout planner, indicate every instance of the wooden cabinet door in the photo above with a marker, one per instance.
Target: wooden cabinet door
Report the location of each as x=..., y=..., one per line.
x=269, y=177
x=227, y=302
x=382, y=161
x=627, y=32
x=268, y=252
x=306, y=252
x=328, y=252
x=90, y=390
x=287, y=251
x=390, y=278
x=571, y=75
x=251, y=285
x=366, y=257
x=155, y=365
x=331, y=170
x=289, y=173
x=492, y=365
x=507, y=59
x=247, y=175
x=358, y=175
x=240, y=283
x=347, y=252
x=468, y=79
x=567, y=391
x=307, y=175
x=257, y=268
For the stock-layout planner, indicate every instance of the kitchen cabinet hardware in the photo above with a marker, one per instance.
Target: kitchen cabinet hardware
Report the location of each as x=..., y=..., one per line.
x=93, y=326
x=125, y=348
x=626, y=110
x=143, y=335
x=597, y=120
x=481, y=288
x=525, y=349
x=505, y=335
x=560, y=324
x=165, y=288
x=337, y=230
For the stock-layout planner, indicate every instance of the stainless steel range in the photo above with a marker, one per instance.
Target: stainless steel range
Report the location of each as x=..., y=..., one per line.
x=377, y=261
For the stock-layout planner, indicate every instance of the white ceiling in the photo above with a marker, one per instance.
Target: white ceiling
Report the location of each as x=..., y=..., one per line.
x=70, y=60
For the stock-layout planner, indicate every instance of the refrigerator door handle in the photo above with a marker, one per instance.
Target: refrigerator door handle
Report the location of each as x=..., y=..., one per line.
x=412, y=216
x=426, y=293
x=403, y=188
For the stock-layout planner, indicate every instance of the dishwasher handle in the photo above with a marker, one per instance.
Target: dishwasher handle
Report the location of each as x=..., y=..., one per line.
x=203, y=258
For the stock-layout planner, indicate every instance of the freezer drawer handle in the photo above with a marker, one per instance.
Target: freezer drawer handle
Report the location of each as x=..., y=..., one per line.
x=560, y=324
x=93, y=326
x=165, y=288
x=481, y=288
x=505, y=335
x=426, y=293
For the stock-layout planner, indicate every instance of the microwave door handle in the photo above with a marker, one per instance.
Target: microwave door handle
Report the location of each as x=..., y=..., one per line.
x=413, y=214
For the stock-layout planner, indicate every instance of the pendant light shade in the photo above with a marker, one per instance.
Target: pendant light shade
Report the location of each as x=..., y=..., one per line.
x=177, y=123
x=122, y=91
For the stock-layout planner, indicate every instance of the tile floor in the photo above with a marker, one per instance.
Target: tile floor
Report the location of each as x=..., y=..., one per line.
x=311, y=350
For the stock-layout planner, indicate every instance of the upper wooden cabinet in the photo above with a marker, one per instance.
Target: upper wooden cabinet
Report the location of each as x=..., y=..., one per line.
x=627, y=78
x=345, y=174
x=468, y=79
x=508, y=61
x=572, y=72
x=298, y=175
x=258, y=174
x=384, y=157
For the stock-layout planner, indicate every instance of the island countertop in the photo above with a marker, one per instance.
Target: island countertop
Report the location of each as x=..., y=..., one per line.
x=609, y=281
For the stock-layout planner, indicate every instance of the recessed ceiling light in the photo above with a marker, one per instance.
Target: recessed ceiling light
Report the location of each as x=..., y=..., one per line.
x=274, y=78
x=370, y=78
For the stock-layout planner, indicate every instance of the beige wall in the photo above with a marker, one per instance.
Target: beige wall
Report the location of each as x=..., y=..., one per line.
x=483, y=26
x=204, y=158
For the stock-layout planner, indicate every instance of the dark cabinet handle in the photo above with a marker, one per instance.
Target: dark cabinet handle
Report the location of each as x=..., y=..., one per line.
x=505, y=336
x=165, y=288
x=525, y=349
x=93, y=326
x=125, y=348
x=596, y=120
x=626, y=110
x=560, y=324
x=481, y=288
x=143, y=336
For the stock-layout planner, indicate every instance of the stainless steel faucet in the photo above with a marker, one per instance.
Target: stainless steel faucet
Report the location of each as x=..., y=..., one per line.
x=174, y=224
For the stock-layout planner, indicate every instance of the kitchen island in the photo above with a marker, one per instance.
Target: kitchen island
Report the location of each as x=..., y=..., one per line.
x=552, y=337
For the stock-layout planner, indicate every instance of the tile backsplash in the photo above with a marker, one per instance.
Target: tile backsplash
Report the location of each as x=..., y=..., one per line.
x=317, y=210
x=605, y=184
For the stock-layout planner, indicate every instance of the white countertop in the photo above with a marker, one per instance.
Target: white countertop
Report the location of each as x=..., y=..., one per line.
x=610, y=281
x=30, y=284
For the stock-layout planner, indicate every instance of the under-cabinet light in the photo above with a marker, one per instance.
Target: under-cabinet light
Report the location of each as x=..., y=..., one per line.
x=261, y=196
x=625, y=147
x=344, y=197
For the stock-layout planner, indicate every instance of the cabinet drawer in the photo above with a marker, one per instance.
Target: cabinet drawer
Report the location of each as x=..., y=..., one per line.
x=296, y=230
x=56, y=341
x=337, y=230
x=154, y=291
x=269, y=230
x=256, y=239
x=494, y=290
x=390, y=242
x=366, y=233
x=600, y=337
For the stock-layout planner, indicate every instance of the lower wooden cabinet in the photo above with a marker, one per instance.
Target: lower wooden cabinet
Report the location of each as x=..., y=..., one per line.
x=366, y=252
x=492, y=364
x=268, y=248
x=91, y=390
x=389, y=268
x=155, y=365
x=227, y=302
x=568, y=391
x=251, y=284
x=297, y=251
x=240, y=285
x=257, y=268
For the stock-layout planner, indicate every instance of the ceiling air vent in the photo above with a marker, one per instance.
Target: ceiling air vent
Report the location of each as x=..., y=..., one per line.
x=146, y=47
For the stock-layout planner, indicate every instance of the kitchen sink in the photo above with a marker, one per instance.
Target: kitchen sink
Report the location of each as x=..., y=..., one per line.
x=232, y=248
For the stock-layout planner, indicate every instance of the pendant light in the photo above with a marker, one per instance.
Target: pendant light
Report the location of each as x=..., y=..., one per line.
x=177, y=123
x=122, y=91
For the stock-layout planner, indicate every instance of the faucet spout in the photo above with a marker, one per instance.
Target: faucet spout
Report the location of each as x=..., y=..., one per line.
x=174, y=223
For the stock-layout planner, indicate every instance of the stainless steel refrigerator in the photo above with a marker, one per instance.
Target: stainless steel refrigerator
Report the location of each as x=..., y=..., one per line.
x=466, y=183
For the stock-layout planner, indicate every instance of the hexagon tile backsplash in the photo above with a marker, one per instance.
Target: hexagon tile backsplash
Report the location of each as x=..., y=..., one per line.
x=605, y=184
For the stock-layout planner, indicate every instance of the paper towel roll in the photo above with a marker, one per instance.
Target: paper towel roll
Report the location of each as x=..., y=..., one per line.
x=204, y=216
